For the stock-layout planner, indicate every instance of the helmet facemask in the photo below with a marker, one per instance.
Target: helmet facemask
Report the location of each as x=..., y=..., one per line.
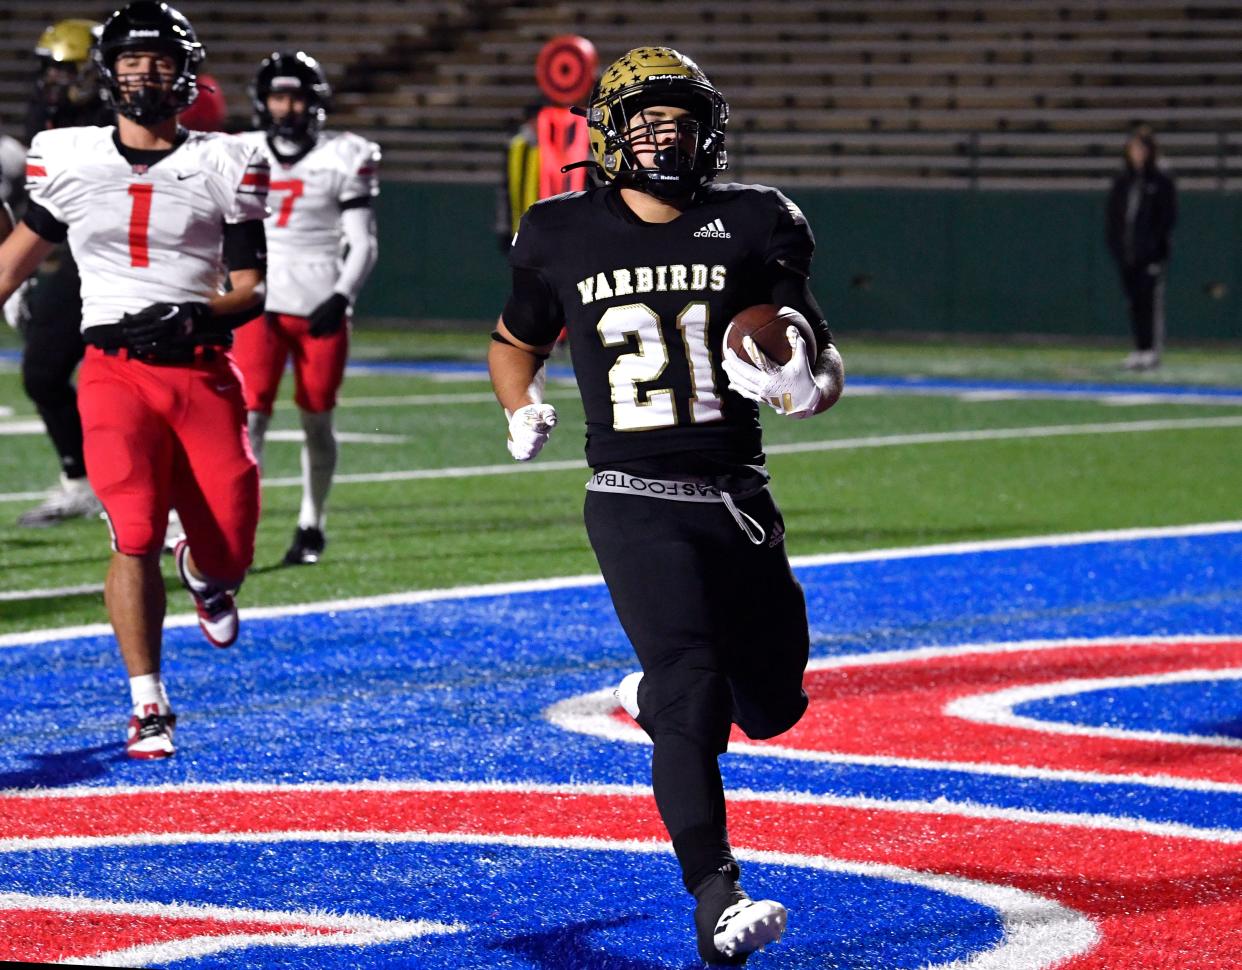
x=150, y=99
x=663, y=154
x=65, y=87
x=298, y=124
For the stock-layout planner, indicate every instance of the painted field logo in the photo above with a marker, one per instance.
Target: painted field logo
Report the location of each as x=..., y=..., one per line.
x=991, y=800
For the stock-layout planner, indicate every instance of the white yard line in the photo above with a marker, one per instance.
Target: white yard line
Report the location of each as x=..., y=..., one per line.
x=797, y=447
x=803, y=447
x=22, y=595
x=519, y=587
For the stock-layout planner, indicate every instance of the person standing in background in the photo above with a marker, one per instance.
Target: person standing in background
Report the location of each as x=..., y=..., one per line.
x=552, y=137
x=321, y=237
x=1142, y=211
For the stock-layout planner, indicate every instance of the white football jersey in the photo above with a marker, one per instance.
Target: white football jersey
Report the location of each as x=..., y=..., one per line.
x=304, y=243
x=145, y=234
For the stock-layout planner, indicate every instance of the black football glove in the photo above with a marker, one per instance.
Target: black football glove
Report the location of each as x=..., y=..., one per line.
x=327, y=318
x=162, y=323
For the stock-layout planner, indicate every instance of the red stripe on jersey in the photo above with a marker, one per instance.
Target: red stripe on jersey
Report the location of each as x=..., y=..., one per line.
x=35, y=171
x=255, y=178
x=366, y=170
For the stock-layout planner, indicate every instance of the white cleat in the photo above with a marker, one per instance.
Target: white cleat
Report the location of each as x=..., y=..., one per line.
x=749, y=925
x=1141, y=360
x=71, y=499
x=626, y=693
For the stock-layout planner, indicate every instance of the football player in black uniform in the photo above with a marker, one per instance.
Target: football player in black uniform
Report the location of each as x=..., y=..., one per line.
x=49, y=312
x=646, y=270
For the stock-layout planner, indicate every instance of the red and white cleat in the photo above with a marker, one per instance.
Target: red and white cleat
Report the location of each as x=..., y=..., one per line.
x=217, y=611
x=150, y=733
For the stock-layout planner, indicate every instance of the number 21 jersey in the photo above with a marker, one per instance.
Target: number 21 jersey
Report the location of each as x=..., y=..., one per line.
x=646, y=306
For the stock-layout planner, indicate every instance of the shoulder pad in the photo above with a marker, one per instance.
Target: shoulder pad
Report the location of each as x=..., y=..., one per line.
x=58, y=147
x=228, y=155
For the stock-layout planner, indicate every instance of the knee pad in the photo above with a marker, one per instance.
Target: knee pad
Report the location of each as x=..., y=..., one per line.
x=688, y=701
x=134, y=536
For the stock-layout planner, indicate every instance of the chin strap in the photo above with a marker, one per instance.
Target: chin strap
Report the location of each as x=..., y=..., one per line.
x=585, y=163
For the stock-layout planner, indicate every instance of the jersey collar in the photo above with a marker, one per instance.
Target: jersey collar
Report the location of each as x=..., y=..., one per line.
x=144, y=158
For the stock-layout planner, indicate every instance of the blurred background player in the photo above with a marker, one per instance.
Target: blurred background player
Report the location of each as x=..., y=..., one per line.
x=552, y=137
x=210, y=110
x=645, y=271
x=321, y=249
x=48, y=311
x=1142, y=211
x=156, y=216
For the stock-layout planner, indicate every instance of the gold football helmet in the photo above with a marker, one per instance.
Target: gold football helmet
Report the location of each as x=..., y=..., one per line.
x=67, y=78
x=642, y=78
x=68, y=41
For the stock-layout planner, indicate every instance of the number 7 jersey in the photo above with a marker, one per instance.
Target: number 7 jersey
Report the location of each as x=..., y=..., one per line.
x=646, y=306
x=304, y=240
x=145, y=234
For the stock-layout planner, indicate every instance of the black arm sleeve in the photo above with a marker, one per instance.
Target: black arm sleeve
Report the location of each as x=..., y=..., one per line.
x=533, y=313
x=42, y=223
x=361, y=202
x=245, y=245
x=790, y=288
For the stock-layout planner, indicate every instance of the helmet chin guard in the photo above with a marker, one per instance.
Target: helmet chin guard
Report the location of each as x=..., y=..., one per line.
x=657, y=76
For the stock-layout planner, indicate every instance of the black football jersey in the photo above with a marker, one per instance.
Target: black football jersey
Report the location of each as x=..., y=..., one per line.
x=646, y=306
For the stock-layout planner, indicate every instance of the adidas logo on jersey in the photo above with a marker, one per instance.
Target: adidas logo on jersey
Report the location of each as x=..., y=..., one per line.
x=713, y=230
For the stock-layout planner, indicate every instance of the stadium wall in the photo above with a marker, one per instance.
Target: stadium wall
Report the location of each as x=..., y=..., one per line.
x=970, y=262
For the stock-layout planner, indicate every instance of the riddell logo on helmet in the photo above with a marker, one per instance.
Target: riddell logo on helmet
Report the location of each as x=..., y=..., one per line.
x=713, y=230
x=144, y=33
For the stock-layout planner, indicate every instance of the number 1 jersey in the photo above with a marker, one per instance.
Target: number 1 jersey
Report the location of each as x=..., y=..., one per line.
x=646, y=306
x=145, y=234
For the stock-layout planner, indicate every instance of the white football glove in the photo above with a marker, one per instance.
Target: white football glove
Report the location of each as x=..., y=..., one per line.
x=529, y=428
x=17, y=306
x=790, y=390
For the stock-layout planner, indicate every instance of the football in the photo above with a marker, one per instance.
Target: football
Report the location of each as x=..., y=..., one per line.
x=766, y=324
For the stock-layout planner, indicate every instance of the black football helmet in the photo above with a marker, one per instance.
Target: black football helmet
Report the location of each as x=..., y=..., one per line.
x=147, y=25
x=291, y=72
x=643, y=78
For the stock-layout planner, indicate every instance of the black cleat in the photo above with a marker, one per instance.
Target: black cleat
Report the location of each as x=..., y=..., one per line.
x=729, y=924
x=307, y=547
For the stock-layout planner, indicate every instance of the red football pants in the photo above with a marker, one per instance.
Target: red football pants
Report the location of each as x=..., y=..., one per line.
x=263, y=345
x=172, y=435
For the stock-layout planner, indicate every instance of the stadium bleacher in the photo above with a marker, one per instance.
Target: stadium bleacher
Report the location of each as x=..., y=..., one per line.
x=917, y=93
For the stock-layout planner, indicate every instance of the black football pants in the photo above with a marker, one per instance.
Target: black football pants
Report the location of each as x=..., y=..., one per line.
x=719, y=625
x=54, y=348
x=1145, y=294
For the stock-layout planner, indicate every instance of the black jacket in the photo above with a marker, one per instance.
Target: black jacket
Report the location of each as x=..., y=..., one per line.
x=1143, y=238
